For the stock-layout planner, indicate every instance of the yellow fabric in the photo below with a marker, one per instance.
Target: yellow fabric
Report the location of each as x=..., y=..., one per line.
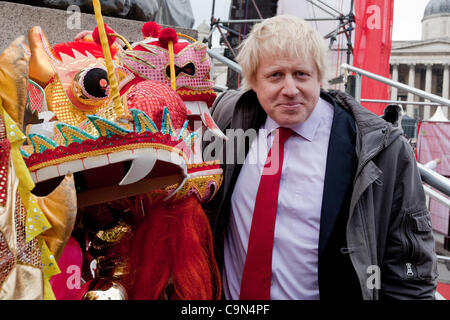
x=172, y=66
x=24, y=278
x=60, y=208
x=40, y=68
x=36, y=222
x=24, y=282
x=7, y=223
x=16, y=138
x=48, y=291
x=49, y=265
x=13, y=80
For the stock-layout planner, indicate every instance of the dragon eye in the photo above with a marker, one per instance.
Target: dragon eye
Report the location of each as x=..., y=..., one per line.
x=91, y=84
x=95, y=83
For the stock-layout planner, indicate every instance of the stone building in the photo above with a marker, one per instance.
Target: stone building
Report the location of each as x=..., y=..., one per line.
x=424, y=64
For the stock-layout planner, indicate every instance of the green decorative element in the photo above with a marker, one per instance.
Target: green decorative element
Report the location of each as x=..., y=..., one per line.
x=191, y=138
x=142, y=122
x=183, y=130
x=73, y=134
x=24, y=153
x=41, y=143
x=166, y=124
x=105, y=127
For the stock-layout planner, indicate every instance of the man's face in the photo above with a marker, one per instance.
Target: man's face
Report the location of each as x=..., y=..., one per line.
x=287, y=88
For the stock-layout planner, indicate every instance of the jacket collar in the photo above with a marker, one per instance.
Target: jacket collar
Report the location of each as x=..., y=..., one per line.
x=373, y=133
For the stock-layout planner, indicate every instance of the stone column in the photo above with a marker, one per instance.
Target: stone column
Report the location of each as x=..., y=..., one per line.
x=445, y=87
x=428, y=79
x=394, y=90
x=411, y=78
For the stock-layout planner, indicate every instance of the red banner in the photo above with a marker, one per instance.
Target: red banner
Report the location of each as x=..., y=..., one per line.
x=373, y=41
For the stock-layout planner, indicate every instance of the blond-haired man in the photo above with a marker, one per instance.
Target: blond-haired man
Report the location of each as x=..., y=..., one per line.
x=328, y=203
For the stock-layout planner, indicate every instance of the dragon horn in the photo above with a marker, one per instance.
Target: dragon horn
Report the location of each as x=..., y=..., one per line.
x=118, y=107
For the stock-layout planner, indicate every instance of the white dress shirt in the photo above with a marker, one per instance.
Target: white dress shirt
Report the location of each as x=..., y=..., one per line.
x=296, y=238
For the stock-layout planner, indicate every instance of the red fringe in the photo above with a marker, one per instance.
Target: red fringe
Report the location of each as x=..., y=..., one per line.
x=173, y=245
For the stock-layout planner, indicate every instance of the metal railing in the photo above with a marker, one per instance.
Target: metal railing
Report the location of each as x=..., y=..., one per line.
x=229, y=63
x=398, y=85
x=435, y=180
x=401, y=102
x=428, y=176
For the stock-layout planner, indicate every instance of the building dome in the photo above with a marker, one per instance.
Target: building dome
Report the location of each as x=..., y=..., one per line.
x=436, y=20
x=435, y=7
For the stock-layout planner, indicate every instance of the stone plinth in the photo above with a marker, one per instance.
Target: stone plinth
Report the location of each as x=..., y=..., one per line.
x=60, y=25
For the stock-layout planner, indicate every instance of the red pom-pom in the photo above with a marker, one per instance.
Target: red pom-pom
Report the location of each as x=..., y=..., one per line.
x=166, y=35
x=151, y=29
x=108, y=30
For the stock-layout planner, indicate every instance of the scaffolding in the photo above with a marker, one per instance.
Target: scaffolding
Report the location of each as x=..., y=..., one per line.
x=229, y=31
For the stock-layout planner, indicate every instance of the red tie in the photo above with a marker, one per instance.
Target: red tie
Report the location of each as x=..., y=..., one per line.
x=255, y=284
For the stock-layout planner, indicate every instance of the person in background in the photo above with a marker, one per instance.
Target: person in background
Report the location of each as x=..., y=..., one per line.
x=432, y=164
x=393, y=114
x=328, y=203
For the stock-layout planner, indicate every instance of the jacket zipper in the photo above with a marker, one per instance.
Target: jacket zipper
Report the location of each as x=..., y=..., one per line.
x=410, y=252
x=409, y=271
x=410, y=237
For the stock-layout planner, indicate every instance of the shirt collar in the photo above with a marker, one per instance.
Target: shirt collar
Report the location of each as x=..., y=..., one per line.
x=306, y=129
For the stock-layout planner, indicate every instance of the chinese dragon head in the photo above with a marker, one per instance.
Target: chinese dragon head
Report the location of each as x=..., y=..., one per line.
x=112, y=136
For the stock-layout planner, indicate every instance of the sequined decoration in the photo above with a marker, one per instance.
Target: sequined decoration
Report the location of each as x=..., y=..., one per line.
x=2, y=129
x=27, y=251
x=151, y=97
x=36, y=222
x=60, y=105
x=201, y=187
x=49, y=264
x=115, y=234
x=5, y=148
x=150, y=62
x=35, y=96
x=7, y=260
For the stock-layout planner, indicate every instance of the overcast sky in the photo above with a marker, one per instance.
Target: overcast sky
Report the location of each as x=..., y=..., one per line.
x=407, y=15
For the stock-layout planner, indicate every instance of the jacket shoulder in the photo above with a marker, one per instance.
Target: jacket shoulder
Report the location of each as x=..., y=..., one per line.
x=223, y=107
